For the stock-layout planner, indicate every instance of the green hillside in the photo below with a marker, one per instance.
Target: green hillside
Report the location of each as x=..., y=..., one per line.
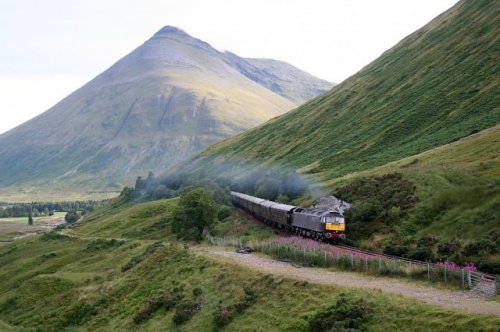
x=121, y=270
x=437, y=86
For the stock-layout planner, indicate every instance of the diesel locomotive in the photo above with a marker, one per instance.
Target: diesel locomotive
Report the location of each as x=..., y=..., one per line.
x=309, y=222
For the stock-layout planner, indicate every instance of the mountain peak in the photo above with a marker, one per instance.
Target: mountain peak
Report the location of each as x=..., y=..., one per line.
x=170, y=30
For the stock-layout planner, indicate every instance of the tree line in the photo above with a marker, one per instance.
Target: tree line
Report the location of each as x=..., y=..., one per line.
x=37, y=209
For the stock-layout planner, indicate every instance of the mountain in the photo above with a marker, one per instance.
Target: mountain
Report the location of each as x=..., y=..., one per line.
x=437, y=86
x=280, y=77
x=169, y=98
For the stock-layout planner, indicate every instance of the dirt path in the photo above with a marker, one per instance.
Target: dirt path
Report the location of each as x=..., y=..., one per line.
x=460, y=300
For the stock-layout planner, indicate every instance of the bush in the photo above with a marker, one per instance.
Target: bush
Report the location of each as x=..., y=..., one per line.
x=72, y=216
x=346, y=315
x=224, y=212
x=480, y=247
x=247, y=300
x=197, y=291
x=396, y=250
x=79, y=314
x=222, y=316
x=487, y=266
x=185, y=311
x=149, y=309
x=168, y=300
x=427, y=241
x=449, y=248
x=53, y=235
x=421, y=254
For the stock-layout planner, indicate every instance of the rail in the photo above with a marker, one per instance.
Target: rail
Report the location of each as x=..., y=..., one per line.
x=313, y=253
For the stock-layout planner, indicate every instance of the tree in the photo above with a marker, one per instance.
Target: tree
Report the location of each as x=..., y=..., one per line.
x=30, y=219
x=196, y=211
x=71, y=217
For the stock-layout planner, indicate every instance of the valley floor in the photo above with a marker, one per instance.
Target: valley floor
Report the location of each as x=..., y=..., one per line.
x=459, y=300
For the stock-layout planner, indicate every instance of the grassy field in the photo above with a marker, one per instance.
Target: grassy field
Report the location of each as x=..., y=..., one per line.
x=11, y=228
x=113, y=266
x=24, y=220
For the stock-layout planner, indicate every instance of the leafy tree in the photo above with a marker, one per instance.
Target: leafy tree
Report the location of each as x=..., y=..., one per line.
x=71, y=217
x=196, y=210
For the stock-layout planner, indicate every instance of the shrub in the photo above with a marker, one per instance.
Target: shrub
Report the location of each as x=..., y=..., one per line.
x=72, y=216
x=224, y=212
x=149, y=309
x=168, y=300
x=449, y=248
x=421, y=254
x=488, y=266
x=396, y=250
x=79, y=313
x=197, y=291
x=184, y=311
x=222, y=316
x=427, y=241
x=482, y=246
x=53, y=235
x=346, y=315
x=247, y=300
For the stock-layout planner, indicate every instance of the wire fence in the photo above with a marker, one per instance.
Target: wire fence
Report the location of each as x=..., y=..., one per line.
x=315, y=254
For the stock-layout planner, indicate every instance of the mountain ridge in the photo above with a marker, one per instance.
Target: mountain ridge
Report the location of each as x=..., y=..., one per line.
x=167, y=99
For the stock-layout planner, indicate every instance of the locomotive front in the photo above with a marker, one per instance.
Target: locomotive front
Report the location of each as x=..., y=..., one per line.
x=334, y=225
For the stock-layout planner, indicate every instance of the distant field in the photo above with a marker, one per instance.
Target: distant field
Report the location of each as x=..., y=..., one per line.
x=24, y=220
x=11, y=228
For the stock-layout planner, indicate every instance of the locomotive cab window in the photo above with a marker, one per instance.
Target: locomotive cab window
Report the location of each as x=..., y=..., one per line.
x=336, y=220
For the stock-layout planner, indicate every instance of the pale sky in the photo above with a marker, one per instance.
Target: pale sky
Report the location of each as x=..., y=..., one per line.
x=50, y=48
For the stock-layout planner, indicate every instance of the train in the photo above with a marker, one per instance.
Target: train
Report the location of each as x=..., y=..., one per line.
x=308, y=222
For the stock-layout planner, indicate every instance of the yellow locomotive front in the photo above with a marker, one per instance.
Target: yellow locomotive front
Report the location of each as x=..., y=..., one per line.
x=334, y=226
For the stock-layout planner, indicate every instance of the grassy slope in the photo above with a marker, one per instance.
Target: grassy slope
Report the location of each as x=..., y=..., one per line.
x=464, y=176
x=437, y=85
x=78, y=283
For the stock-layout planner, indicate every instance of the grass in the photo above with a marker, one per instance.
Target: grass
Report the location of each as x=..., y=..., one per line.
x=11, y=228
x=78, y=283
x=240, y=226
x=24, y=220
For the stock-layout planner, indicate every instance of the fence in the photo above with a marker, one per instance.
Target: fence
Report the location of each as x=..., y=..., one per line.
x=312, y=253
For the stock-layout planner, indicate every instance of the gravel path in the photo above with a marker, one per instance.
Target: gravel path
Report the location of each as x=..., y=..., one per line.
x=461, y=300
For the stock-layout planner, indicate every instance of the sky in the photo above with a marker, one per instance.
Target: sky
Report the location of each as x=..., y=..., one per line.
x=50, y=48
